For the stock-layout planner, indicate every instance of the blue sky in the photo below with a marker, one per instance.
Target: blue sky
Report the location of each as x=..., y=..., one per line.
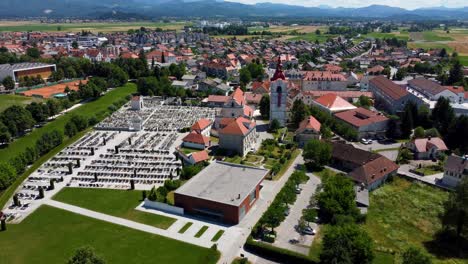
x=408, y=4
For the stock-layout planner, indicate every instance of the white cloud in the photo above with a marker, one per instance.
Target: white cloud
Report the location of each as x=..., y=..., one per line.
x=408, y=4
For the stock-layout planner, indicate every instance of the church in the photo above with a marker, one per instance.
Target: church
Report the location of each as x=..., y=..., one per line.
x=279, y=96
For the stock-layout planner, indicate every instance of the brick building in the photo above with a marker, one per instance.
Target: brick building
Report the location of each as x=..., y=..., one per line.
x=222, y=192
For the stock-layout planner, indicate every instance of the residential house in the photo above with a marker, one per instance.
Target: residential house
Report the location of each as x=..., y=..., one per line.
x=238, y=135
x=203, y=127
x=455, y=170
x=308, y=129
x=368, y=169
x=427, y=148
x=195, y=140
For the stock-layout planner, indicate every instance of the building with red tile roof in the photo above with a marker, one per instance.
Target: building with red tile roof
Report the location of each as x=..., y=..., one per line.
x=196, y=141
x=365, y=122
x=367, y=169
x=333, y=103
x=200, y=156
x=238, y=135
x=202, y=126
x=324, y=80
x=308, y=129
x=261, y=87
x=388, y=95
x=427, y=148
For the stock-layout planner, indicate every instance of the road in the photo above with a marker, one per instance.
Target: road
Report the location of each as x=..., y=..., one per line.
x=270, y=190
x=287, y=230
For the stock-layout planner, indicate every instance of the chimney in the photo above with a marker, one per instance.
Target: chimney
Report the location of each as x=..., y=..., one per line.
x=238, y=196
x=429, y=138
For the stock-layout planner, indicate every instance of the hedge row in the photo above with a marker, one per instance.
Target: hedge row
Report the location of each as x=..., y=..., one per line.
x=276, y=254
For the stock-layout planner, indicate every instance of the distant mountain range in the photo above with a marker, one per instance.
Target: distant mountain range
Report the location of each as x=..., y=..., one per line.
x=211, y=8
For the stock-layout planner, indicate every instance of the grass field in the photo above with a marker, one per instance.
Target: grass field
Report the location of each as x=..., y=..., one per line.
x=93, y=27
x=185, y=227
x=98, y=107
x=118, y=203
x=201, y=231
x=398, y=35
x=7, y=100
x=51, y=235
x=402, y=213
x=217, y=236
x=435, y=36
x=312, y=37
x=464, y=60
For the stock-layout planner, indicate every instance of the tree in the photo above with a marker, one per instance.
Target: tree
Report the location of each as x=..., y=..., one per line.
x=8, y=83
x=457, y=138
x=75, y=44
x=407, y=119
x=33, y=53
x=414, y=255
x=244, y=76
x=70, y=129
x=346, y=244
x=419, y=132
x=401, y=74
x=7, y=175
x=17, y=119
x=85, y=255
x=443, y=115
x=265, y=106
x=5, y=135
x=455, y=217
x=337, y=198
x=299, y=111
x=275, y=125
x=317, y=152
x=364, y=101
x=456, y=75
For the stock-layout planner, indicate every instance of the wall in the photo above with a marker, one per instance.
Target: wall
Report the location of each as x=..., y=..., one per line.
x=163, y=207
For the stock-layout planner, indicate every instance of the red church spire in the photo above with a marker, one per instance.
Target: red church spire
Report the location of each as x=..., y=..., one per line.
x=279, y=71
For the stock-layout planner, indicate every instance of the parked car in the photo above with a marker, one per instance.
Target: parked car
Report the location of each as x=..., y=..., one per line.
x=286, y=211
x=308, y=231
x=293, y=240
x=365, y=141
x=298, y=190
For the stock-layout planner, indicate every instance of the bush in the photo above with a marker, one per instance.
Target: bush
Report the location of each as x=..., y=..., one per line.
x=172, y=185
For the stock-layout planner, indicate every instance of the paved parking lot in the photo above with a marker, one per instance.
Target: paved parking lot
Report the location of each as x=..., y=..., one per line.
x=287, y=230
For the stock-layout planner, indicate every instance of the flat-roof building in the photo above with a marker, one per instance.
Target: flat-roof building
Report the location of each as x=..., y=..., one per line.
x=222, y=191
x=30, y=69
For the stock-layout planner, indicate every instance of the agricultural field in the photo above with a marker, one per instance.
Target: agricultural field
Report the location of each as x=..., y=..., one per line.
x=455, y=40
x=7, y=100
x=51, y=235
x=14, y=26
x=119, y=203
x=312, y=37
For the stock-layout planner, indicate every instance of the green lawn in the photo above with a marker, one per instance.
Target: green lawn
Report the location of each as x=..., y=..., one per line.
x=383, y=258
x=430, y=45
x=434, y=36
x=118, y=203
x=312, y=37
x=7, y=100
x=51, y=235
x=387, y=35
x=463, y=60
x=186, y=150
x=97, y=108
x=201, y=231
x=402, y=213
x=185, y=227
x=217, y=236
x=429, y=170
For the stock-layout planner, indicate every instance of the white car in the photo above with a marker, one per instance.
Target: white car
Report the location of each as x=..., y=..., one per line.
x=366, y=141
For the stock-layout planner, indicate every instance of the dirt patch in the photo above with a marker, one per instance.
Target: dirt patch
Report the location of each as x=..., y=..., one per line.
x=416, y=36
x=49, y=91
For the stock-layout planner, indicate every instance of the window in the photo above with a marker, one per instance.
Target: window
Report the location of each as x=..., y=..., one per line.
x=278, y=89
x=253, y=195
